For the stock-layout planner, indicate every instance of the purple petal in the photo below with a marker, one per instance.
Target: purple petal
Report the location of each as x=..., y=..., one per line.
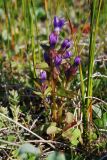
x=58, y=60
x=66, y=44
x=47, y=58
x=43, y=76
x=61, y=23
x=77, y=61
x=53, y=38
x=58, y=23
x=67, y=54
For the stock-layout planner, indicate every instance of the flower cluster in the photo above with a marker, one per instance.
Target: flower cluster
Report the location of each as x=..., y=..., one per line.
x=59, y=59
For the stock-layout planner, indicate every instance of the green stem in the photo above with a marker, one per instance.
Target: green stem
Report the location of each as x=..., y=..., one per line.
x=54, y=114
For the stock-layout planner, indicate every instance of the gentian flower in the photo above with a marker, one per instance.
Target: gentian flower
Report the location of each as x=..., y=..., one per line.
x=77, y=61
x=43, y=76
x=58, y=60
x=53, y=38
x=47, y=58
x=58, y=24
x=66, y=44
x=67, y=54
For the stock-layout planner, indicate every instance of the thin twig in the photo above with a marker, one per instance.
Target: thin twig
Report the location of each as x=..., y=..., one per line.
x=3, y=147
x=2, y=129
x=9, y=143
x=100, y=60
x=42, y=141
x=34, y=122
x=97, y=99
x=98, y=74
x=103, y=130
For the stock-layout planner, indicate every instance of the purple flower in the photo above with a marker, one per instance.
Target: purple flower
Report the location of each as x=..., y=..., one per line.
x=47, y=58
x=58, y=60
x=67, y=54
x=66, y=44
x=58, y=23
x=77, y=61
x=43, y=76
x=53, y=38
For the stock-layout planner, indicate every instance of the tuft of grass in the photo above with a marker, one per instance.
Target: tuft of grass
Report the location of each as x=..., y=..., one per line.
x=87, y=114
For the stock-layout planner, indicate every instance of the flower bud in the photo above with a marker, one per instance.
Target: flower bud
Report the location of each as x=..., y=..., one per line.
x=58, y=24
x=67, y=54
x=47, y=58
x=53, y=38
x=66, y=44
x=43, y=76
x=77, y=61
x=58, y=60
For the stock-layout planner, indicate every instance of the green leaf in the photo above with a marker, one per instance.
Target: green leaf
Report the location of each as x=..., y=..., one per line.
x=73, y=134
x=42, y=65
x=5, y=35
x=40, y=13
x=11, y=138
x=102, y=122
x=38, y=93
x=53, y=130
x=105, y=119
x=97, y=110
x=69, y=117
x=99, y=122
x=93, y=136
x=76, y=133
x=65, y=93
x=48, y=91
x=37, y=85
x=74, y=141
x=56, y=156
x=28, y=148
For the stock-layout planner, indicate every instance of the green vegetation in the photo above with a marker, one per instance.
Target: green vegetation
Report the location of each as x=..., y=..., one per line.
x=53, y=79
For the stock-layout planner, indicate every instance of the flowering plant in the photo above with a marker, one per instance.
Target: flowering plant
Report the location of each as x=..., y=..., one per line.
x=59, y=61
